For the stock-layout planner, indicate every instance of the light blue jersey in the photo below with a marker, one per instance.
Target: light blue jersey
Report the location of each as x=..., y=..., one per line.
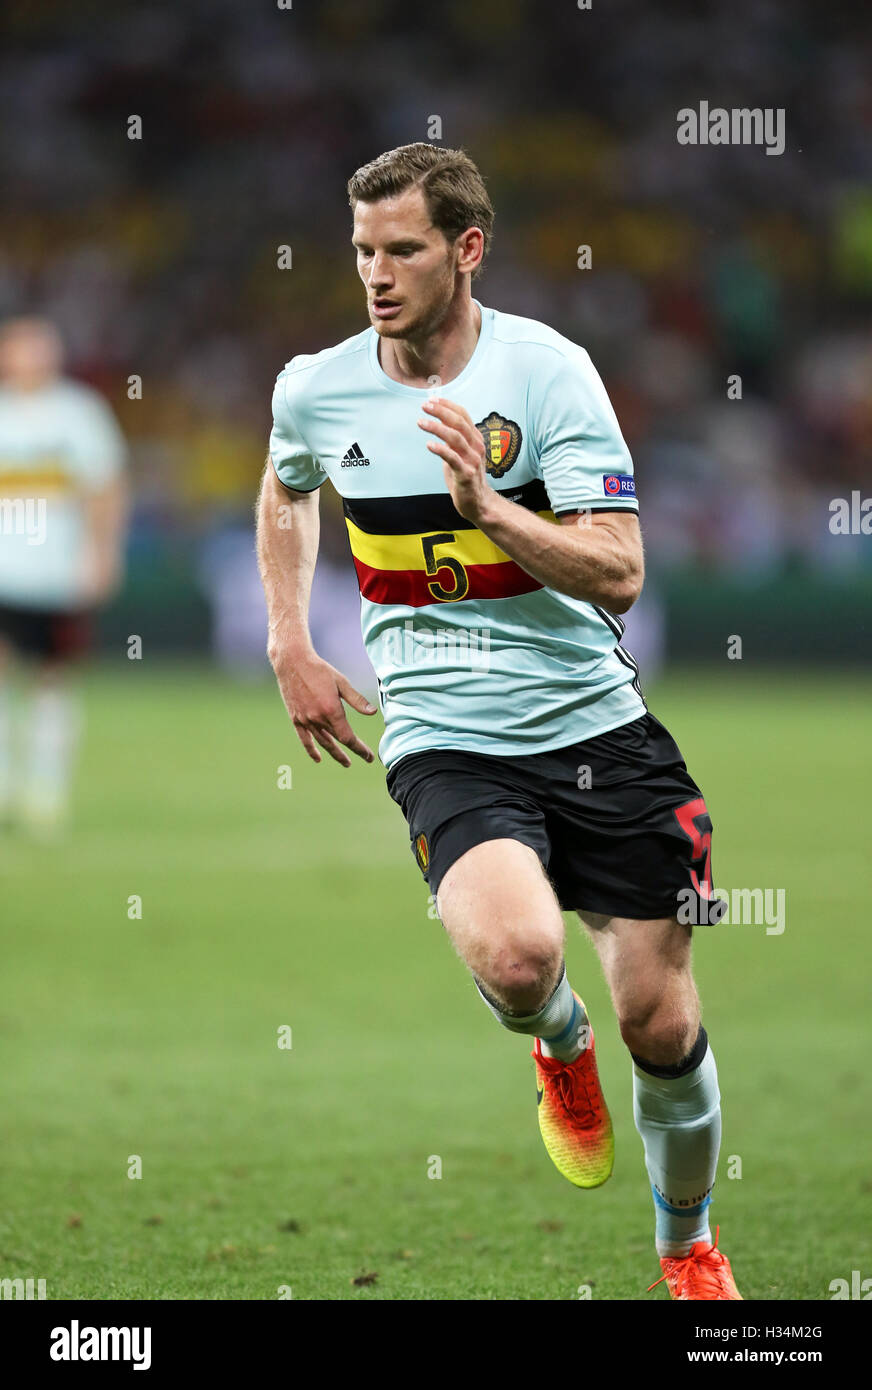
x=469, y=649
x=57, y=445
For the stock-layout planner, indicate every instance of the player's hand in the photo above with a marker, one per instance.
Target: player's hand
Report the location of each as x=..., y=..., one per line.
x=460, y=446
x=313, y=692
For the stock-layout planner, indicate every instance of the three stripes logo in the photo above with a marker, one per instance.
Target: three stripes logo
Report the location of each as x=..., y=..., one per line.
x=613, y=622
x=354, y=458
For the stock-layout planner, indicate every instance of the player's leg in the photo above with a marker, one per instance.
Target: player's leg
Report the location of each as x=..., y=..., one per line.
x=52, y=738
x=6, y=740
x=37, y=750
x=631, y=849
x=481, y=845
x=54, y=721
x=676, y=1100
x=647, y=966
x=501, y=914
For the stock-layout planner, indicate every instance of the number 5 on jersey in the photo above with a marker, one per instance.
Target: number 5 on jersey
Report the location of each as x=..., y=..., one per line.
x=433, y=565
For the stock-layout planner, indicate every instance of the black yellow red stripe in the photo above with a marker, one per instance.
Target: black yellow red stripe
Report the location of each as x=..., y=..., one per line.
x=415, y=588
x=419, y=550
x=394, y=516
x=34, y=482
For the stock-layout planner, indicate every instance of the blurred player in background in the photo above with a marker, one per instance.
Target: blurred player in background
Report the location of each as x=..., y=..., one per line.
x=62, y=524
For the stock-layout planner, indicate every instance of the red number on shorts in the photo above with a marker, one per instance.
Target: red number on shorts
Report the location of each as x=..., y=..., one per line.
x=702, y=844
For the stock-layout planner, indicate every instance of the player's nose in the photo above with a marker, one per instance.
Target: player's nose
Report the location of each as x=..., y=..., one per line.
x=380, y=276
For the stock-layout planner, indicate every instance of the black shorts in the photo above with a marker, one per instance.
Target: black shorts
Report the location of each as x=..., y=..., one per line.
x=46, y=634
x=617, y=821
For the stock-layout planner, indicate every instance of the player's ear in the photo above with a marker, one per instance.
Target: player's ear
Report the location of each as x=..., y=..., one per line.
x=470, y=248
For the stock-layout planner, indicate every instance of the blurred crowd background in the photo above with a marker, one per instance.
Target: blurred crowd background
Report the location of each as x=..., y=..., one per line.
x=158, y=257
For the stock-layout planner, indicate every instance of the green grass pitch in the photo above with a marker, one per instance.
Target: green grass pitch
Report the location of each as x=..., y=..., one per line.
x=308, y=1167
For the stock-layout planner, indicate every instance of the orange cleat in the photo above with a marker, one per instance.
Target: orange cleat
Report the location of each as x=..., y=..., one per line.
x=704, y=1273
x=574, y=1119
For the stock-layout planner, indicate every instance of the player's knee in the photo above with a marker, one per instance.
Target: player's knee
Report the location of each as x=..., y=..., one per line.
x=662, y=1033
x=523, y=971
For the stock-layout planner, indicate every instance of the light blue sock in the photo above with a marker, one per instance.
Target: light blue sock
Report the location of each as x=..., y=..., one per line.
x=561, y=1023
x=679, y=1120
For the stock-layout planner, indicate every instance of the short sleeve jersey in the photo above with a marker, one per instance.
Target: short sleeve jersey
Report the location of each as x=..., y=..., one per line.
x=470, y=650
x=57, y=445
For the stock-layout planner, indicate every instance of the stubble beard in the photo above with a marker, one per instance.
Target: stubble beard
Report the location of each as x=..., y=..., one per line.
x=429, y=318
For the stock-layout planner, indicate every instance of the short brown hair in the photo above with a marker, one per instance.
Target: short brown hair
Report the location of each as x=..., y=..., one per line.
x=453, y=188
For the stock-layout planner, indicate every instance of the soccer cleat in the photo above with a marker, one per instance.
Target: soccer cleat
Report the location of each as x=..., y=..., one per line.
x=703, y=1274
x=574, y=1119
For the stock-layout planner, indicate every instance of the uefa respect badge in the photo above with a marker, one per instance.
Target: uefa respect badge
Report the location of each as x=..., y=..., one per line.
x=619, y=485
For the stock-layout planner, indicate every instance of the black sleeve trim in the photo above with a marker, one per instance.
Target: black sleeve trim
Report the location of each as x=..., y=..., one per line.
x=571, y=511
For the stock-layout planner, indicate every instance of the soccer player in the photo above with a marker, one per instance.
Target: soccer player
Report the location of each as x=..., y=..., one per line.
x=491, y=510
x=61, y=535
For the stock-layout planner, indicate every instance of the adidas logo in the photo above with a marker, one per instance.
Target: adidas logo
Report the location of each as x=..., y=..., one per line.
x=354, y=458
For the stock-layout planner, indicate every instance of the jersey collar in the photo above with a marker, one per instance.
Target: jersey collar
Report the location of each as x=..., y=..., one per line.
x=421, y=392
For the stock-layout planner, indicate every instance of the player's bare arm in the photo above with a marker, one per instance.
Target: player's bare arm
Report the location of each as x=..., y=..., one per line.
x=106, y=513
x=599, y=562
x=313, y=691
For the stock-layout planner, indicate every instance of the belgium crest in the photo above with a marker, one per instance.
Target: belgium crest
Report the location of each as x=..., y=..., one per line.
x=502, y=443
